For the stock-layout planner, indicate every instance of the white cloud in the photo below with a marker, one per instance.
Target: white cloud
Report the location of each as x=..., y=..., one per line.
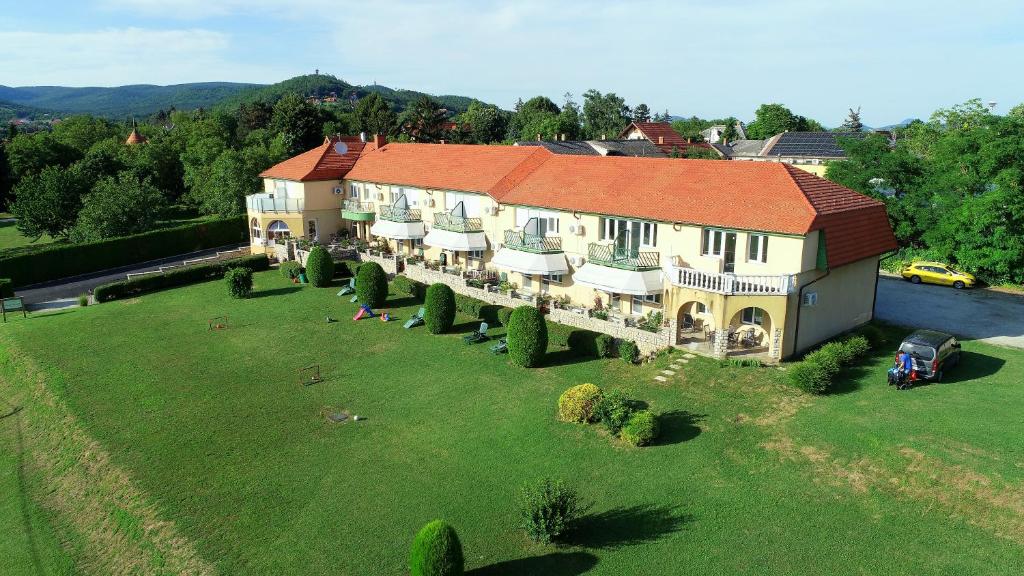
x=115, y=56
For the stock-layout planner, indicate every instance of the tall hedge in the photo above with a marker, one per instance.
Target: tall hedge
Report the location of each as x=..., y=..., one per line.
x=177, y=277
x=436, y=551
x=527, y=336
x=319, y=267
x=60, y=260
x=6, y=291
x=371, y=284
x=439, y=315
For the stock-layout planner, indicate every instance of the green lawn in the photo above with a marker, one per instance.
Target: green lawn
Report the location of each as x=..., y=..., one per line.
x=750, y=477
x=11, y=238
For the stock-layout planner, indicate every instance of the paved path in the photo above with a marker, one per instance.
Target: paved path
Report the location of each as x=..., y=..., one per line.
x=64, y=292
x=995, y=317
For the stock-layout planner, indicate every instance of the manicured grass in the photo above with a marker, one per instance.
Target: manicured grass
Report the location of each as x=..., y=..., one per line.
x=750, y=476
x=11, y=238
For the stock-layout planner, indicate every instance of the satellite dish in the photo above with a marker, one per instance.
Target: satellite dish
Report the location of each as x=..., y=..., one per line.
x=341, y=148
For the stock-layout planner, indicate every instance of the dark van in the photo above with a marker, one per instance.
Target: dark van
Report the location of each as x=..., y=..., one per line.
x=932, y=353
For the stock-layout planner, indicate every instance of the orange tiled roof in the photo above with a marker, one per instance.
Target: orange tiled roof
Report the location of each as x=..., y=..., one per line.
x=320, y=163
x=669, y=138
x=135, y=137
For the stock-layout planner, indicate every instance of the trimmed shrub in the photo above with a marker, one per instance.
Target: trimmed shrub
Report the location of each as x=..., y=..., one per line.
x=527, y=336
x=371, y=285
x=874, y=335
x=403, y=285
x=83, y=300
x=811, y=377
x=583, y=343
x=61, y=259
x=468, y=305
x=503, y=315
x=6, y=288
x=817, y=372
x=628, y=351
x=614, y=410
x=605, y=346
x=439, y=315
x=289, y=269
x=436, y=551
x=177, y=277
x=640, y=429
x=549, y=509
x=239, y=282
x=489, y=313
x=579, y=403
x=320, y=267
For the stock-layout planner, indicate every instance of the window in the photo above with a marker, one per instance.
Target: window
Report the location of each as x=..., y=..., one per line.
x=256, y=232
x=479, y=254
x=547, y=221
x=353, y=190
x=417, y=243
x=713, y=243
x=470, y=203
x=312, y=229
x=757, y=248
x=556, y=278
x=277, y=229
x=753, y=316
x=701, y=308
x=527, y=281
x=280, y=188
x=639, y=301
x=637, y=234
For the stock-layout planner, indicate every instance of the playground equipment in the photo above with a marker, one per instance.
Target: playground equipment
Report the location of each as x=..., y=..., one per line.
x=349, y=289
x=417, y=319
x=479, y=335
x=310, y=375
x=385, y=316
x=217, y=323
x=364, y=312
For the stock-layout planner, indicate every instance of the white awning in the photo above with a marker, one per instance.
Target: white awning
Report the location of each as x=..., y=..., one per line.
x=397, y=230
x=457, y=241
x=530, y=263
x=619, y=281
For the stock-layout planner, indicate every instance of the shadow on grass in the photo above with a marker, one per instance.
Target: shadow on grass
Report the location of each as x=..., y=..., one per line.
x=848, y=380
x=564, y=358
x=403, y=302
x=677, y=426
x=627, y=526
x=554, y=564
x=33, y=315
x=972, y=366
x=276, y=291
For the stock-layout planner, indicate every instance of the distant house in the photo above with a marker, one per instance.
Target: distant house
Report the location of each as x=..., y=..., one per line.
x=809, y=151
x=633, y=148
x=713, y=134
x=661, y=135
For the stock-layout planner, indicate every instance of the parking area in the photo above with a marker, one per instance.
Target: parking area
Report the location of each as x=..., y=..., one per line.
x=995, y=317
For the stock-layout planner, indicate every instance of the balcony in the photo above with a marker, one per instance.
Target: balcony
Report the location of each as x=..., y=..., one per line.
x=262, y=204
x=403, y=215
x=357, y=211
x=532, y=243
x=625, y=259
x=732, y=284
x=452, y=223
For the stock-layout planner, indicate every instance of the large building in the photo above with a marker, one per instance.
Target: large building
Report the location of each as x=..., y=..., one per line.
x=723, y=250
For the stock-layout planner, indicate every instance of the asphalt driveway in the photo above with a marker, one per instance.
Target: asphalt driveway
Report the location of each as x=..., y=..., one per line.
x=977, y=314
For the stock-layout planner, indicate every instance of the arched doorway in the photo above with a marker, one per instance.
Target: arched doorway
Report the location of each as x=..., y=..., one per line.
x=750, y=331
x=694, y=324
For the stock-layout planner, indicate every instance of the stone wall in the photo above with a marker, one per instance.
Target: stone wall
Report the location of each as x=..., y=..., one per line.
x=388, y=263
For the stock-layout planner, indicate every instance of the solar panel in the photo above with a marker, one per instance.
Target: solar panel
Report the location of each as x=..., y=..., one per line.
x=821, y=144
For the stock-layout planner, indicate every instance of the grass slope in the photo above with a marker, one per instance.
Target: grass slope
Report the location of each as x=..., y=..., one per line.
x=750, y=477
x=10, y=237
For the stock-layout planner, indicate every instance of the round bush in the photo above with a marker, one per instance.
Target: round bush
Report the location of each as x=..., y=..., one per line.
x=628, y=351
x=289, y=269
x=641, y=429
x=371, y=285
x=436, y=551
x=614, y=410
x=503, y=315
x=527, y=336
x=579, y=403
x=605, y=346
x=239, y=282
x=320, y=267
x=439, y=315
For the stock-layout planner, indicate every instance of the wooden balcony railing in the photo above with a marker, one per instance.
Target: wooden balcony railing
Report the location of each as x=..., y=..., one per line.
x=393, y=214
x=731, y=284
x=531, y=242
x=451, y=223
x=609, y=255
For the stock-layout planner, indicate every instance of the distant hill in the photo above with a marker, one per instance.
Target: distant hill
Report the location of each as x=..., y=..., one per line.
x=121, y=101
x=11, y=111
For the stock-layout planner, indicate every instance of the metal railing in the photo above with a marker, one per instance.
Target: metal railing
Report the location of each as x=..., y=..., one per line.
x=452, y=223
x=724, y=283
x=628, y=259
x=531, y=242
x=357, y=206
x=265, y=204
x=393, y=214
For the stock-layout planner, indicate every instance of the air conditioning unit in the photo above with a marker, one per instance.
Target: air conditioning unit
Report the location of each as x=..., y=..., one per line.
x=810, y=299
x=339, y=190
x=576, y=229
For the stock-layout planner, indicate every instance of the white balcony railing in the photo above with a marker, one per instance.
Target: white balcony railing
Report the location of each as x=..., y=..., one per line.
x=264, y=204
x=724, y=283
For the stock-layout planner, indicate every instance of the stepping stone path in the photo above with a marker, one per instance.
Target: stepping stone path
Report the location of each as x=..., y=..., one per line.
x=661, y=378
x=675, y=367
x=668, y=372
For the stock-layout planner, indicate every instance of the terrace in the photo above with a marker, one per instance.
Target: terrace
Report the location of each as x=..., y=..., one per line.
x=732, y=284
x=357, y=211
x=266, y=204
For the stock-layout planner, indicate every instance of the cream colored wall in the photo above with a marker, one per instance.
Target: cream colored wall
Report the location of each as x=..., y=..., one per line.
x=846, y=297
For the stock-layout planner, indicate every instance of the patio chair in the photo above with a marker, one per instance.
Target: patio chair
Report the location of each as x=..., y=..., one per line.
x=688, y=324
x=416, y=320
x=350, y=289
x=478, y=336
x=751, y=339
x=501, y=347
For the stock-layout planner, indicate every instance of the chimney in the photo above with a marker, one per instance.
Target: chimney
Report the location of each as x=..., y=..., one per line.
x=725, y=141
x=362, y=137
x=661, y=140
x=538, y=136
x=563, y=136
x=379, y=140
x=602, y=136
x=689, y=140
x=441, y=141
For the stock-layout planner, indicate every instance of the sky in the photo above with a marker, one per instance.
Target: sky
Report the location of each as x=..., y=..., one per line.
x=711, y=58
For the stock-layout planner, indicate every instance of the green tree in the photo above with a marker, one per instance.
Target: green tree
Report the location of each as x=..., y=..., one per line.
x=604, y=114
x=374, y=116
x=436, y=551
x=82, y=131
x=300, y=122
x=118, y=206
x=423, y=120
x=641, y=113
x=772, y=119
x=254, y=116
x=852, y=122
x=320, y=267
x=371, y=285
x=48, y=202
x=731, y=133
x=527, y=336
x=439, y=305
x=30, y=153
x=483, y=123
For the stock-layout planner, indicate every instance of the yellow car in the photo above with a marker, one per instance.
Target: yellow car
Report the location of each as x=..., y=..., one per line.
x=937, y=273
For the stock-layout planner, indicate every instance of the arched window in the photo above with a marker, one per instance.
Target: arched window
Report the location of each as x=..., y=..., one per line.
x=753, y=316
x=277, y=229
x=256, y=232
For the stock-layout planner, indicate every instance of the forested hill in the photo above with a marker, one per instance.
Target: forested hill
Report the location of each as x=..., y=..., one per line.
x=121, y=101
x=326, y=85
x=10, y=111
